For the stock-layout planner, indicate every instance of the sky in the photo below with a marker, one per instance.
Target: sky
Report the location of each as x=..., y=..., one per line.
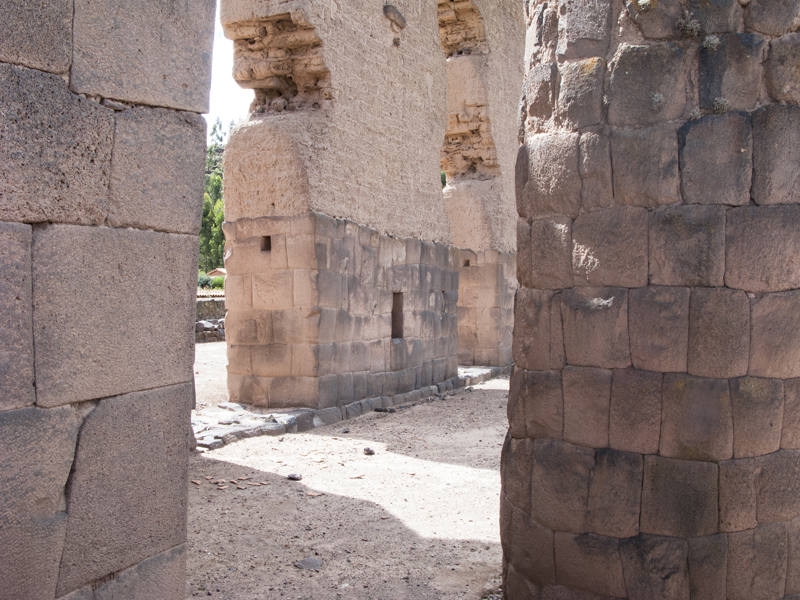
x=229, y=102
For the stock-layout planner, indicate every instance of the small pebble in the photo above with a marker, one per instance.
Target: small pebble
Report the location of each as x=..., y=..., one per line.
x=294, y=476
x=369, y=451
x=345, y=430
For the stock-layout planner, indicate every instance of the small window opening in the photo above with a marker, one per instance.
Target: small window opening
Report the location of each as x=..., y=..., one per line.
x=266, y=243
x=466, y=263
x=397, y=316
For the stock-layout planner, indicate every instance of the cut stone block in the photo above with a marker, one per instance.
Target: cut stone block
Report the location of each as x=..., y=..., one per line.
x=550, y=252
x=646, y=85
x=657, y=20
x=580, y=96
x=646, y=166
x=540, y=87
x=127, y=496
x=763, y=248
x=790, y=436
x=541, y=392
x=716, y=156
x=635, y=415
x=75, y=362
x=37, y=34
x=515, y=472
x=717, y=16
x=538, y=342
x=609, y=247
x=160, y=576
x=584, y=28
x=56, y=152
x=248, y=327
x=597, y=190
x=157, y=171
x=771, y=17
x=560, y=490
x=776, y=151
x=615, y=493
x=596, y=327
x=530, y=548
x=793, y=557
x=517, y=585
x=515, y=408
x=35, y=463
x=587, y=396
x=162, y=57
x=659, y=328
x=782, y=68
x=708, y=565
x=775, y=342
x=679, y=497
x=757, y=415
x=757, y=563
x=737, y=495
x=590, y=562
x=16, y=325
x=719, y=332
x=656, y=568
x=777, y=479
x=548, y=178
x=731, y=71
x=697, y=421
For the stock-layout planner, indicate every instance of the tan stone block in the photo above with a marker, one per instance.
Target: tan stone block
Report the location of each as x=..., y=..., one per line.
x=127, y=495
x=595, y=167
x=777, y=480
x=332, y=291
x=609, y=247
x=538, y=334
x=70, y=365
x=37, y=35
x=708, y=565
x=659, y=328
x=587, y=396
x=239, y=361
x=757, y=415
x=550, y=184
x=696, y=418
x=580, y=96
x=248, y=327
x=775, y=336
x=757, y=563
x=793, y=557
x=790, y=435
x=516, y=462
x=293, y=392
x=596, y=327
x=239, y=291
x=305, y=287
x=301, y=252
x=248, y=389
x=560, y=490
x=646, y=166
x=273, y=290
x=655, y=567
x=16, y=322
x=550, y=252
x=35, y=464
x=719, y=333
x=635, y=413
x=159, y=57
x=305, y=360
x=161, y=576
x=157, y=170
x=541, y=393
x=737, y=495
x=246, y=257
x=296, y=326
x=679, y=497
x=56, y=152
x=591, y=562
x=263, y=226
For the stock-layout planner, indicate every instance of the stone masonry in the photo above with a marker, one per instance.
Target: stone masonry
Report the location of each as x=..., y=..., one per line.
x=101, y=170
x=653, y=416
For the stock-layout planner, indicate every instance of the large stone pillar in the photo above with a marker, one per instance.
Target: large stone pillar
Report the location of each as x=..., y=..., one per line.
x=654, y=441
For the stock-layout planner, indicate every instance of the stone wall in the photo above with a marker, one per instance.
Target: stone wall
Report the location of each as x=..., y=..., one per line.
x=652, y=450
x=101, y=175
x=323, y=312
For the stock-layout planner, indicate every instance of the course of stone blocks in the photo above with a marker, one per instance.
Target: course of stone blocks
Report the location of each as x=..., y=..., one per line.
x=653, y=443
x=101, y=170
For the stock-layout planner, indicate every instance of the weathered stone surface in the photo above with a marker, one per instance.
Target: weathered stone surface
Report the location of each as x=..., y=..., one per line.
x=708, y=565
x=538, y=334
x=609, y=247
x=540, y=89
x=782, y=67
x=596, y=327
x=790, y=435
x=37, y=34
x=679, y=497
x=635, y=415
x=549, y=266
x=550, y=183
x=697, y=421
x=737, y=495
x=716, y=156
x=515, y=472
x=127, y=496
x=541, y=394
x=590, y=562
x=657, y=20
x=35, y=463
x=775, y=343
x=584, y=28
x=16, y=356
x=157, y=171
x=757, y=563
x=580, y=96
x=56, y=152
x=161, y=58
x=731, y=71
x=560, y=592
x=587, y=396
x=719, y=332
x=777, y=480
x=716, y=16
x=597, y=190
x=776, y=149
x=793, y=557
x=517, y=585
x=659, y=328
x=646, y=85
x=529, y=546
x=646, y=166
x=757, y=415
x=771, y=17
x=655, y=568
x=615, y=493
x=560, y=490
x=160, y=576
x=72, y=366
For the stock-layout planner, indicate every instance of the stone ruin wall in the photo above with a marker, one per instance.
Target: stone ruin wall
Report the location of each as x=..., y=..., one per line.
x=654, y=442
x=101, y=170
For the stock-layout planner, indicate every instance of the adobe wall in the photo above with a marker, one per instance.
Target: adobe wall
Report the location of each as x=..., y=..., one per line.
x=654, y=418
x=101, y=171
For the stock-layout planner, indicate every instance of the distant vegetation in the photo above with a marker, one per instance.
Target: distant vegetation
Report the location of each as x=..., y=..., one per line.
x=212, y=240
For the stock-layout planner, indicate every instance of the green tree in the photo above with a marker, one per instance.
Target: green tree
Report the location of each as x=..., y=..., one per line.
x=212, y=240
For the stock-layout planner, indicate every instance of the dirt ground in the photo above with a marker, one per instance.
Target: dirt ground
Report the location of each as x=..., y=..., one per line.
x=416, y=520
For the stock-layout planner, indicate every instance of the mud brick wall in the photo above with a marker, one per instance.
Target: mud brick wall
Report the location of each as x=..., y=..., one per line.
x=310, y=312
x=101, y=179
x=653, y=417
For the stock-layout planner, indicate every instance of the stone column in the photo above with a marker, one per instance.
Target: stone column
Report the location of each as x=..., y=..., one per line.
x=654, y=441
